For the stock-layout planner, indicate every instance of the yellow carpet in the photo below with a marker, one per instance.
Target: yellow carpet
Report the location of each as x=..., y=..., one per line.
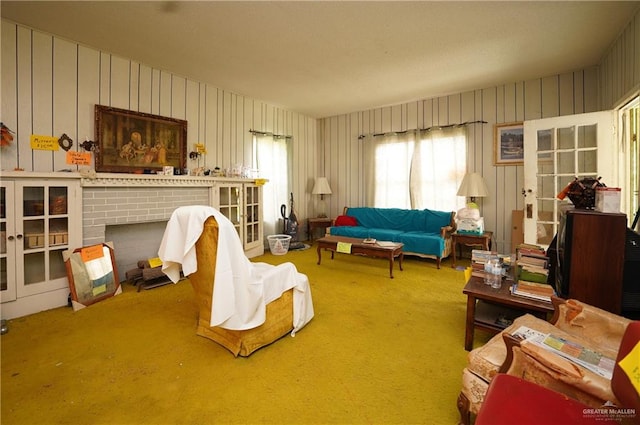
x=379, y=351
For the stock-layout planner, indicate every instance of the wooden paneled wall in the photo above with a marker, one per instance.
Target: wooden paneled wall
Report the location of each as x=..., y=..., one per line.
x=50, y=86
x=620, y=67
x=565, y=94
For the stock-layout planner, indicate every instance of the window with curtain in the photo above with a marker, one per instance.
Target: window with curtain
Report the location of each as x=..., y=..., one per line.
x=417, y=169
x=271, y=157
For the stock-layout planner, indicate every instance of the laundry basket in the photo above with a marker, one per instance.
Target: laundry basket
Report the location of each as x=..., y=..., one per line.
x=279, y=244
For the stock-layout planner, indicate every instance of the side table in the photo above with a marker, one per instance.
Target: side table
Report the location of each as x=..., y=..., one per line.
x=317, y=223
x=478, y=292
x=467, y=239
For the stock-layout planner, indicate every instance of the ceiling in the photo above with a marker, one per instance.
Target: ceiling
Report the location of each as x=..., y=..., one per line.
x=324, y=58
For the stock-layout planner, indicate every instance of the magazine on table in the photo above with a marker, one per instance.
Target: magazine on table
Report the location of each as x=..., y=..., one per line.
x=575, y=353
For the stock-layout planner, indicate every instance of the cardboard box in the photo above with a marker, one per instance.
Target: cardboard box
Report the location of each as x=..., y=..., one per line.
x=608, y=199
x=58, y=238
x=34, y=240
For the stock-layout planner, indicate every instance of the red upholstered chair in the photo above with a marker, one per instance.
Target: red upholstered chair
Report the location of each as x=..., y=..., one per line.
x=512, y=400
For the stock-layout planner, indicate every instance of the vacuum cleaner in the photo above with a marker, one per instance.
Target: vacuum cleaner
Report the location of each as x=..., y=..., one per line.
x=290, y=226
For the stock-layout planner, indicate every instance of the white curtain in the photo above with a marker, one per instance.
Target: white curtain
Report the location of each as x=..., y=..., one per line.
x=416, y=170
x=438, y=166
x=272, y=160
x=387, y=168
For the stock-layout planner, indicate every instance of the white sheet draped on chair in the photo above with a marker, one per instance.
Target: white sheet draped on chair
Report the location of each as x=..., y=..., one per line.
x=242, y=288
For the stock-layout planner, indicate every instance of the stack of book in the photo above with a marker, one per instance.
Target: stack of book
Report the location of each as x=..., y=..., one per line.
x=533, y=290
x=480, y=257
x=532, y=273
x=533, y=255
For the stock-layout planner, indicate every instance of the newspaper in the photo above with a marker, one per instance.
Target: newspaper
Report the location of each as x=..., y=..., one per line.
x=575, y=353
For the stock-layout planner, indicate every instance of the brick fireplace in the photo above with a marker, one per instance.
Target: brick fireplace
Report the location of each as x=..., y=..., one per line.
x=132, y=211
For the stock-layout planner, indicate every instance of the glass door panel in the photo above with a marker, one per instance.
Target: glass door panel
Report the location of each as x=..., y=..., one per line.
x=8, y=240
x=33, y=201
x=58, y=232
x=3, y=274
x=3, y=203
x=587, y=163
x=57, y=200
x=566, y=162
x=57, y=268
x=34, y=268
x=34, y=236
x=587, y=136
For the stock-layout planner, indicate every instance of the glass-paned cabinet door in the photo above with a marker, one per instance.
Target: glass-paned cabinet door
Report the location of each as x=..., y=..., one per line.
x=229, y=198
x=7, y=243
x=44, y=220
x=253, y=216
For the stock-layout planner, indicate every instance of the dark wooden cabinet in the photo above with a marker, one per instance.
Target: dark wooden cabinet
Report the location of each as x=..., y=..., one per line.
x=592, y=263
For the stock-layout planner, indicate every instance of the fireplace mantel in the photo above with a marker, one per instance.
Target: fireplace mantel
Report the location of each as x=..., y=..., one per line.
x=93, y=179
x=154, y=180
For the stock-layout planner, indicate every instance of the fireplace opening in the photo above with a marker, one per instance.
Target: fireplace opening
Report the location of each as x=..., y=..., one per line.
x=134, y=242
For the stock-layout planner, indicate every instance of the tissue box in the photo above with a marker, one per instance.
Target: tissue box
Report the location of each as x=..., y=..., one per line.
x=608, y=199
x=470, y=226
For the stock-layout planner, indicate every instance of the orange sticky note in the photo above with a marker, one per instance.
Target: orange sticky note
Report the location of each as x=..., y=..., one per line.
x=91, y=253
x=78, y=158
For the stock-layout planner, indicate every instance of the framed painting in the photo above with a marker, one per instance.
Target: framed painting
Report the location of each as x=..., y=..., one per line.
x=508, y=148
x=92, y=274
x=136, y=142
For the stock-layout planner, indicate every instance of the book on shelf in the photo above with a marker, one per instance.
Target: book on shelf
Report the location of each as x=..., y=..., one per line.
x=533, y=290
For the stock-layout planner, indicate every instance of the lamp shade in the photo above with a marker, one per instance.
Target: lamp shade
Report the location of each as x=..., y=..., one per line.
x=321, y=187
x=473, y=186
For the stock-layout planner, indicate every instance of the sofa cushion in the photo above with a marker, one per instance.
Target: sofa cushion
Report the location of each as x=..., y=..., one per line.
x=422, y=242
x=366, y=232
x=345, y=220
x=390, y=218
x=436, y=220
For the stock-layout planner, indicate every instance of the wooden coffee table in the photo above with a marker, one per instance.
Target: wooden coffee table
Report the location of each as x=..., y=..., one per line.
x=358, y=247
x=483, y=300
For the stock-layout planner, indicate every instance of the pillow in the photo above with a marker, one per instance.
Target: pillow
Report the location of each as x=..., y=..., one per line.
x=345, y=220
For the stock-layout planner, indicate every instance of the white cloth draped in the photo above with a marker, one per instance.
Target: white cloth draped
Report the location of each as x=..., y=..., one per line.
x=242, y=289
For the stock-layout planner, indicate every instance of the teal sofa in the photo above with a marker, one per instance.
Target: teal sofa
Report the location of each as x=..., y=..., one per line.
x=425, y=233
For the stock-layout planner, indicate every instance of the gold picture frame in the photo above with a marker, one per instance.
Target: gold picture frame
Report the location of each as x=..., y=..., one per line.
x=508, y=144
x=136, y=142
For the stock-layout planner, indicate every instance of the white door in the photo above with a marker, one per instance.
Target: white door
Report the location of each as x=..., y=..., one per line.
x=556, y=151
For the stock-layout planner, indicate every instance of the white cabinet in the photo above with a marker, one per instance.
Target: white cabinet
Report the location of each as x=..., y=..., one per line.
x=39, y=219
x=241, y=202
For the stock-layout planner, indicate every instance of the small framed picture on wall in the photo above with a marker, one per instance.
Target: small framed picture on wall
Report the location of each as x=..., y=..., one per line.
x=508, y=142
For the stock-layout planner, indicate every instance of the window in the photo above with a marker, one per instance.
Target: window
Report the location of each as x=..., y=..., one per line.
x=271, y=157
x=416, y=170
